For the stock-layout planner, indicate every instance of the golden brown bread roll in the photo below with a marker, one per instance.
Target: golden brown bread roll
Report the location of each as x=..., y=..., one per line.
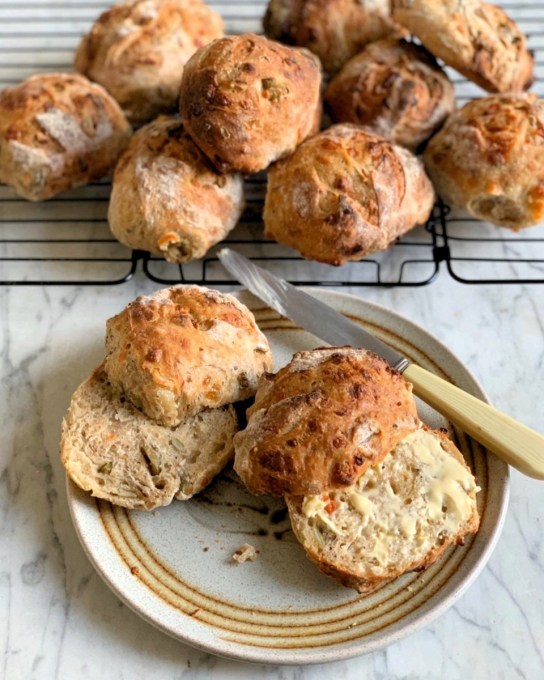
x=184, y=349
x=477, y=39
x=394, y=88
x=321, y=421
x=58, y=131
x=137, y=51
x=335, y=30
x=488, y=159
x=247, y=101
x=167, y=198
x=344, y=194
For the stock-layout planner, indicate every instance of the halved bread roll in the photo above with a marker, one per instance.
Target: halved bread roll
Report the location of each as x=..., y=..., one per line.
x=110, y=448
x=399, y=516
x=183, y=349
x=321, y=421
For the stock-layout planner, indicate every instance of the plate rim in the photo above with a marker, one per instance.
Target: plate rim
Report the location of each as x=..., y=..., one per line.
x=357, y=647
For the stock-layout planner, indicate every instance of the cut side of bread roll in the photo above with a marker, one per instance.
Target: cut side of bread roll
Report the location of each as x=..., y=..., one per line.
x=111, y=449
x=399, y=516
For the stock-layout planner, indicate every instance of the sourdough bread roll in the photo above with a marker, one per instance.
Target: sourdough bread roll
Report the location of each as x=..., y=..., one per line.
x=489, y=160
x=395, y=89
x=111, y=449
x=344, y=194
x=334, y=30
x=247, y=101
x=477, y=39
x=167, y=198
x=184, y=349
x=137, y=51
x=399, y=516
x=58, y=131
x=321, y=421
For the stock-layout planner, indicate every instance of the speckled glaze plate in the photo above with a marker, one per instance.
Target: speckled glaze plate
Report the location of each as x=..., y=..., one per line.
x=174, y=566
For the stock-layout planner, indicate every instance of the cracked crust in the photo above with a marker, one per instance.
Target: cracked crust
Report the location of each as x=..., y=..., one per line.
x=344, y=194
x=247, y=101
x=334, y=30
x=477, y=39
x=183, y=349
x=395, y=89
x=137, y=51
x=321, y=421
x=111, y=449
x=488, y=159
x=58, y=131
x=167, y=198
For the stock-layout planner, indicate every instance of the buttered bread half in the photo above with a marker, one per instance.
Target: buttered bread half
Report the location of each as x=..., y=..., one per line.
x=399, y=516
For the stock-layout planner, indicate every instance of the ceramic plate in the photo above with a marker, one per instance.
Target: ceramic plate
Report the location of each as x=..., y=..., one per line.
x=174, y=566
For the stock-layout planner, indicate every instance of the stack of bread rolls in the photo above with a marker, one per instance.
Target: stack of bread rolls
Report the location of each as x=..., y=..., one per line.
x=156, y=419
x=250, y=103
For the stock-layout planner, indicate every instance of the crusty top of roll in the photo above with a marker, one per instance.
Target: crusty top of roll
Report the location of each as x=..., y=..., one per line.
x=345, y=193
x=183, y=349
x=58, y=131
x=321, y=421
x=478, y=39
x=395, y=89
x=489, y=159
x=335, y=30
x=247, y=101
x=138, y=49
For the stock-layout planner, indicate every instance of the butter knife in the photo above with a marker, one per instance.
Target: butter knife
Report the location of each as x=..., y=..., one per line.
x=509, y=439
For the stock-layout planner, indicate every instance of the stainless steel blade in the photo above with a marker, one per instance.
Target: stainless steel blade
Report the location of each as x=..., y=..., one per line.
x=305, y=310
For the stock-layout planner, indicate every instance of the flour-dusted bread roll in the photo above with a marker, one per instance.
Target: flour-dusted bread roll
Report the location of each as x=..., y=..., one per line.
x=321, y=421
x=335, y=30
x=489, y=159
x=344, y=194
x=477, y=39
x=58, y=131
x=247, y=101
x=167, y=197
x=183, y=349
x=399, y=516
x=110, y=448
x=137, y=51
x=395, y=89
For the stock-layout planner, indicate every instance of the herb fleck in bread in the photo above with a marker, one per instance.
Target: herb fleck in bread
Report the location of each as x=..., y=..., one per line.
x=110, y=448
x=400, y=515
x=183, y=349
x=321, y=421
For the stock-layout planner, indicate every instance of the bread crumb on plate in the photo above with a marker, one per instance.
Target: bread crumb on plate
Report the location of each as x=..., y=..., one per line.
x=245, y=553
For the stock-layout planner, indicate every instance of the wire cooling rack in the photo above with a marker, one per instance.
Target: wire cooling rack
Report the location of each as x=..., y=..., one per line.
x=67, y=241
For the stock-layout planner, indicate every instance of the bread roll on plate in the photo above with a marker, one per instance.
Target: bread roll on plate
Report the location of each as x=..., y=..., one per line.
x=167, y=198
x=184, y=349
x=110, y=448
x=395, y=89
x=334, y=30
x=477, y=39
x=399, y=516
x=137, y=51
x=321, y=421
x=489, y=159
x=247, y=101
x=58, y=131
x=345, y=193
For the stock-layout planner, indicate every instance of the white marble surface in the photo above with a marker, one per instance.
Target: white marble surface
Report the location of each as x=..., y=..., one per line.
x=59, y=620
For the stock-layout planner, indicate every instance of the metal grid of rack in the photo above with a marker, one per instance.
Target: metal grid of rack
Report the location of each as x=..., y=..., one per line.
x=67, y=241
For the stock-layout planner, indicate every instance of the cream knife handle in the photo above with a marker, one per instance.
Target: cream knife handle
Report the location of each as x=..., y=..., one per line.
x=507, y=438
